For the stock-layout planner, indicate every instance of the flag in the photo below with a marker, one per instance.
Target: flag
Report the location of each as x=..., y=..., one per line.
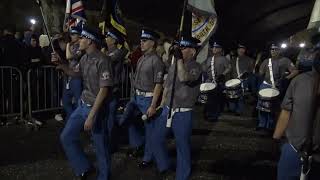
x=315, y=16
x=74, y=13
x=114, y=19
x=204, y=23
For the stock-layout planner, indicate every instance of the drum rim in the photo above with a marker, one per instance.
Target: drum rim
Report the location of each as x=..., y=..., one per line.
x=234, y=85
x=278, y=92
x=207, y=83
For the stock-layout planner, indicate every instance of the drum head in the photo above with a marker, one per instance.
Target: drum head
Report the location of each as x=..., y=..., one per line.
x=233, y=83
x=269, y=93
x=204, y=87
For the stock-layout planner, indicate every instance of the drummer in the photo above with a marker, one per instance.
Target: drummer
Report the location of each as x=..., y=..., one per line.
x=218, y=74
x=282, y=70
x=241, y=68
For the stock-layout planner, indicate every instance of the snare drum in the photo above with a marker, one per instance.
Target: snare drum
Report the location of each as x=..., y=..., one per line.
x=267, y=98
x=205, y=89
x=233, y=88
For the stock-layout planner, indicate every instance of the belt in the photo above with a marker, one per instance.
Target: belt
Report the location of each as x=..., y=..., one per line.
x=181, y=109
x=142, y=93
x=89, y=105
x=173, y=111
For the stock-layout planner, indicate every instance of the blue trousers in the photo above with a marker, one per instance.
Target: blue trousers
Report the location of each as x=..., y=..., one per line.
x=266, y=119
x=70, y=139
x=236, y=105
x=289, y=165
x=73, y=93
x=136, y=139
x=215, y=104
x=182, y=130
x=252, y=82
x=112, y=112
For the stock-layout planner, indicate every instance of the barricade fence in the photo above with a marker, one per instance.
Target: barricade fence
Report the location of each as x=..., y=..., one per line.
x=11, y=92
x=40, y=90
x=45, y=86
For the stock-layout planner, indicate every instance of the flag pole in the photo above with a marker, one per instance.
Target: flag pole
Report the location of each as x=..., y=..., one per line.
x=175, y=64
x=45, y=23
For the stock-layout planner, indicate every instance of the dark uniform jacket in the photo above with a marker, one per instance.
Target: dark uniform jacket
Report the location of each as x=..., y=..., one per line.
x=186, y=93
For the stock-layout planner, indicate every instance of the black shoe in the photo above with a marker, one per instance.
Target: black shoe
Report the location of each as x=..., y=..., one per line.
x=212, y=119
x=134, y=153
x=166, y=174
x=259, y=129
x=144, y=165
x=85, y=175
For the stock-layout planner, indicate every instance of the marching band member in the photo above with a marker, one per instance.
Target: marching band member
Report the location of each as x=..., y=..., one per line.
x=148, y=87
x=299, y=121
x=186, y=91
x=215, y=69
x=95, y=69
x=242, y=67
x=274, y=71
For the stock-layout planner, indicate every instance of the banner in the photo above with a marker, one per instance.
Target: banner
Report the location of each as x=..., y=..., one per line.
x=315, y=16
x=204, y=24
x=203, y=27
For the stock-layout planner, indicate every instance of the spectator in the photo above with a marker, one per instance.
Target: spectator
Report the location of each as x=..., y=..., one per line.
x=35, y=55
x=45, y=48
x=11, y=51
x=19, y=37
x=33, y=30
x=11, y=54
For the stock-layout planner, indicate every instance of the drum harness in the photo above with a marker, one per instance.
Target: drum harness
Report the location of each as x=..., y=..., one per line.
x=239, y=75
x=212, y=71
x=271, y=74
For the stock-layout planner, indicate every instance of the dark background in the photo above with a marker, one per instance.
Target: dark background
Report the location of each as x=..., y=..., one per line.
x=255, y=22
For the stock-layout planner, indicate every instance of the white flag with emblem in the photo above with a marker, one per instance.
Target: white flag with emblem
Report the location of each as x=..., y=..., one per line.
x=315, y=16
x=204, y=23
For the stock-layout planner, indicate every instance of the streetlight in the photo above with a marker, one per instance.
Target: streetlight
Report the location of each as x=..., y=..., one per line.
x=302, y=45
x=33, y=21
x=284, y=45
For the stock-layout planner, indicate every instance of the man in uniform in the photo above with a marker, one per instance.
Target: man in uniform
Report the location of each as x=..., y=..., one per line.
x=280, y=68
x=186, y=91
x=242, y=67
x=96, y=72
x=306, y=56
x=221, y=70
x=296, y=119
x=113, y=40
x=73, y=85
x=148, y=87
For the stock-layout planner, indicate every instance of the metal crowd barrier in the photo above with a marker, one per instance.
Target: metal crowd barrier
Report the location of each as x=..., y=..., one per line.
x=11, y=92
x=45, y=85
x=43, y=89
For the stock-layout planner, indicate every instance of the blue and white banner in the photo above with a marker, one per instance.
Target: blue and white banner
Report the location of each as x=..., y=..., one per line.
x=204, y=24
